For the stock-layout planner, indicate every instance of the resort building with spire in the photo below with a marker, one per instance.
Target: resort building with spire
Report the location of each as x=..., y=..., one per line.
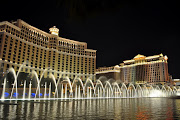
x=21, y=42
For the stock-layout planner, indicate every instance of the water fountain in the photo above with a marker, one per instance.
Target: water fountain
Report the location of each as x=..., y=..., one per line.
x=24, y=90
x=45, y=94
x=88, y=90
x=29, y=95
x=4, y=87
x=15, y=81
x=62, y=93
x=49, y=90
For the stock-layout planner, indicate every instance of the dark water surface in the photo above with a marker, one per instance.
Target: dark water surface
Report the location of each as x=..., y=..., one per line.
x=118, y=109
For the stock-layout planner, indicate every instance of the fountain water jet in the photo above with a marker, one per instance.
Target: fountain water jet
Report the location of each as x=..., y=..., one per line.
x=24, y=91
x=50, y=90
x=62, y=91
x=109, y=91
x=139, y=91
x=15, y=81
x=76, y=92
x=29, y=90
x=15, y=78
x=54, y=80
x=118, y=89
x=4, y=88
x=66, y=91
x=88, y=80
x=101, y=85
x=79, y=92
x=71, y=90
x=45, y=94
x=124, y=90
x=88, y=90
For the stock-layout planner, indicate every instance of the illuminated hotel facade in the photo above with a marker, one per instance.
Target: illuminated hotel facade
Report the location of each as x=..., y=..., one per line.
x=142, y=69
x=20, y=41
x=112, y=72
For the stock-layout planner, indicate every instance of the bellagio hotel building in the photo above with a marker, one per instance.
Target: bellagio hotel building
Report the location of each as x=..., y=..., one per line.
x=20, y=42
x=142, y=69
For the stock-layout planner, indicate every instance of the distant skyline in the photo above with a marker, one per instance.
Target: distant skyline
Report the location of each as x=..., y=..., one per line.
x=117, y=30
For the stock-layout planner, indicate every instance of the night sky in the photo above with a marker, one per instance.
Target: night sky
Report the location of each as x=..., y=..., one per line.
x=118, y=30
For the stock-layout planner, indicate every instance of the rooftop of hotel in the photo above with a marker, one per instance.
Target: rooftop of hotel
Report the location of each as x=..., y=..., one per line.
x=37, y=30
x=142, y=57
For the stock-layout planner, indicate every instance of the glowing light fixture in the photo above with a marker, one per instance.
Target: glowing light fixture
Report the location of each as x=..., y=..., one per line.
x=6, y=94
x=40, y=94
x=15, y=94
x=165, y=57
x=33, y=94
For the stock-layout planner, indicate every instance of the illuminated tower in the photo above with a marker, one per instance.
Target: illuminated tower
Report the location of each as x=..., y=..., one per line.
x=54, y=30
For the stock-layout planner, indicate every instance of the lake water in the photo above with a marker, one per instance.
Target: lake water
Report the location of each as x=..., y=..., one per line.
x=94, y=109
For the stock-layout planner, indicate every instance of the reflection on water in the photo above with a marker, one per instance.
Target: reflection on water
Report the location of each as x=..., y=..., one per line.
x=140, y=109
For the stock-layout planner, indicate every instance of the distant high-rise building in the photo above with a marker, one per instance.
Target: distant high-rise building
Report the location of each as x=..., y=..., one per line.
x=142, y=69
x=20, y=41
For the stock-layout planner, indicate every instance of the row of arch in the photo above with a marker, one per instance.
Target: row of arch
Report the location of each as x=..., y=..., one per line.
x=77, y=88
x=70, y=45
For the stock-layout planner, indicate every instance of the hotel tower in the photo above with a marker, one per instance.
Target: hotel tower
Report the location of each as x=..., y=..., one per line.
x=20, y=42
x=142, y=69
